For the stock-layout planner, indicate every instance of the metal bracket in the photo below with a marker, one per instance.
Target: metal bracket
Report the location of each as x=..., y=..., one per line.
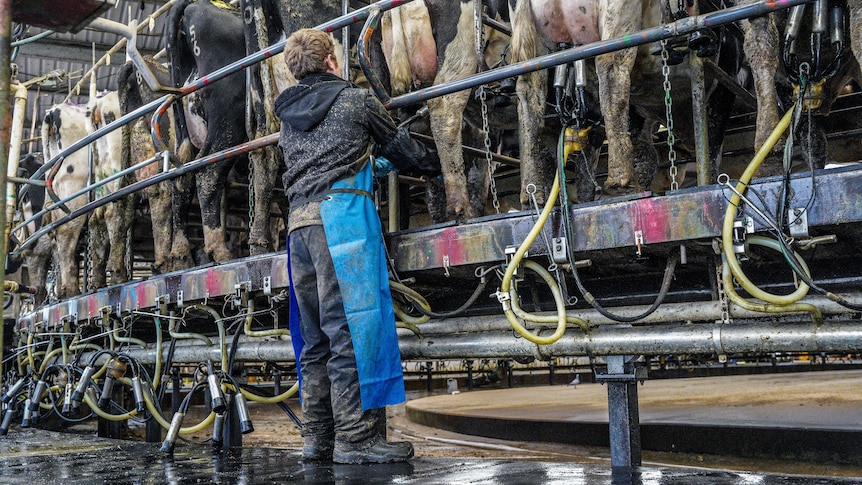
x=510, y=254
x=559, y=250
x=162, y=304
x=180, y=298
x=640, y=374
x=243, y=288
x=446, y=264
x=267, y=285
x=797, y=222
x=741, y=228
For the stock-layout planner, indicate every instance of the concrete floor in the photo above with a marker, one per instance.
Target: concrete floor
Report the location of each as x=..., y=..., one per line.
x=51, y=458
x=811, y=416
x=799, y=403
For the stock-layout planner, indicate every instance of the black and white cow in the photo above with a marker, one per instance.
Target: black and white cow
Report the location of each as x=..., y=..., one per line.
x=433, y=42
x=108, y=225
x=63, y=125
x=628, y=80
x=202, y=38
x=138, y=146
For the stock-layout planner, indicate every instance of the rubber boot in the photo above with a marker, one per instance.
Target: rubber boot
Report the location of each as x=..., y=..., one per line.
x=318, y=448
x=376, y=450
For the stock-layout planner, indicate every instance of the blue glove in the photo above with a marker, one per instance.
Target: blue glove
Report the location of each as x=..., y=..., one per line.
x=382, y=166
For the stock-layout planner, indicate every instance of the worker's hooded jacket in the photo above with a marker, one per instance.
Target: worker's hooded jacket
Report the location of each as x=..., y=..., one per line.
x=327, y=127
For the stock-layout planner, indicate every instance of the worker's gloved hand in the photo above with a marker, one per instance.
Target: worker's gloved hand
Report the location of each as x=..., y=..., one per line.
x=382, y=166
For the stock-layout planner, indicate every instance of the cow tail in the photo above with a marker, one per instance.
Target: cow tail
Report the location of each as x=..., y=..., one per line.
x=129, y=95
x=181, y=59
x=524, y=34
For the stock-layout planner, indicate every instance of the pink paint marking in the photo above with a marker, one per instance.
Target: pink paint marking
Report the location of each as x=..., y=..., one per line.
x=653, y=219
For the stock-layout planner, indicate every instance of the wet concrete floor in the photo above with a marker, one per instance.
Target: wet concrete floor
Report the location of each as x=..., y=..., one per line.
x=812, y=416
x=788, y=404
x=46, y=457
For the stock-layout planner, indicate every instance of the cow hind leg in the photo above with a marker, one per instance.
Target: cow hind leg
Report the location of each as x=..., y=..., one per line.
x=266, y=165
x=614, y=71
x=97, y=250
x=159, y=197
x=761, y=48
x=119, y=225
x=445, y=113
x=181, y=199
x=210, y=188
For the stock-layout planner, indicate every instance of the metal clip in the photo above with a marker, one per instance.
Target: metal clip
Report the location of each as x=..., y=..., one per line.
x=162, y=303
x=797, y=222
x=446, y=265
x=503, y=298
x=639, y=241
x=267, y=285
x=242, y=290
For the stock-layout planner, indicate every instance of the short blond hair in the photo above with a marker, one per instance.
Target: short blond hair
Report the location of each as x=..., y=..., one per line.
x=306, y=50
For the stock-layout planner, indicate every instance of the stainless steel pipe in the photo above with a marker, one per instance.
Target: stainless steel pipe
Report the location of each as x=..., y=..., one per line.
x=685, y=338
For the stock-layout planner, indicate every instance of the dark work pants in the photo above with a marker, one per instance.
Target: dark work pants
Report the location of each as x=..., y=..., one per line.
x=330, y=382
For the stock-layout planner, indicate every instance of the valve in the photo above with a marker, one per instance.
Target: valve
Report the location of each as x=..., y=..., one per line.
x=173, y=433
x=7, y=420
x=25, y=423
x=242, y=410
x=116, y=370
x=218, y=430
x=138, y=391
x=78, y=395
x=218, y=402
x=14, y=390
x=37, y=394
x=68, y=408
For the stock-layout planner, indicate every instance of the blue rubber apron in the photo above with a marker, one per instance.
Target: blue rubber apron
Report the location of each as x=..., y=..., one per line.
x=354, y=237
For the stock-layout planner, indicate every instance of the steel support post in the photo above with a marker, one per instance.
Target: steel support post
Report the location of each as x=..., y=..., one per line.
x=623, y=417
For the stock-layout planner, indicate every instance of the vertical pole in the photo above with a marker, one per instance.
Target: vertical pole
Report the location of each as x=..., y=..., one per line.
x=428, y=370
x=470, y=375
x=701, y=125
x=623, y=417
x=394, y=201
x=551, y=373
x=5, y=130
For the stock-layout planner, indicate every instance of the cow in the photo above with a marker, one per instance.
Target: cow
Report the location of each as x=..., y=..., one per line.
x=63, y=125
x=137, y=145
x=764, y=50
x=38, y=256
x=202, y=38
x=434, y=42
x=109, y=224
x=629, y=78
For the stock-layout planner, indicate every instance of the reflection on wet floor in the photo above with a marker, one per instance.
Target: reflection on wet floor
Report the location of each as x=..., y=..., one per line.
x=142, y=463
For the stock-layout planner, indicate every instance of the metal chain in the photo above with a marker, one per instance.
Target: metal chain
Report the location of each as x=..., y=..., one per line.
x=251, y=196
x=488, y=159
x=480, y=31
x=127, y=258
x=668, y=104
x=88, y=261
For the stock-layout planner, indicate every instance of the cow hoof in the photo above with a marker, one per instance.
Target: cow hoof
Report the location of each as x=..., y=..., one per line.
x=258, y=249
x=615, y=190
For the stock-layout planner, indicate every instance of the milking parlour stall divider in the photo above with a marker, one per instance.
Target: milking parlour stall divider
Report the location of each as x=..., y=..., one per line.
x=663, y=267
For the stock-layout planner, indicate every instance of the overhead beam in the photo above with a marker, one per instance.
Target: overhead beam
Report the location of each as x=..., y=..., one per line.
x=71, y=51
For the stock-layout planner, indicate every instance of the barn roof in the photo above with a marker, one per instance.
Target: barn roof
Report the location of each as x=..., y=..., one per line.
x=65, y=57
